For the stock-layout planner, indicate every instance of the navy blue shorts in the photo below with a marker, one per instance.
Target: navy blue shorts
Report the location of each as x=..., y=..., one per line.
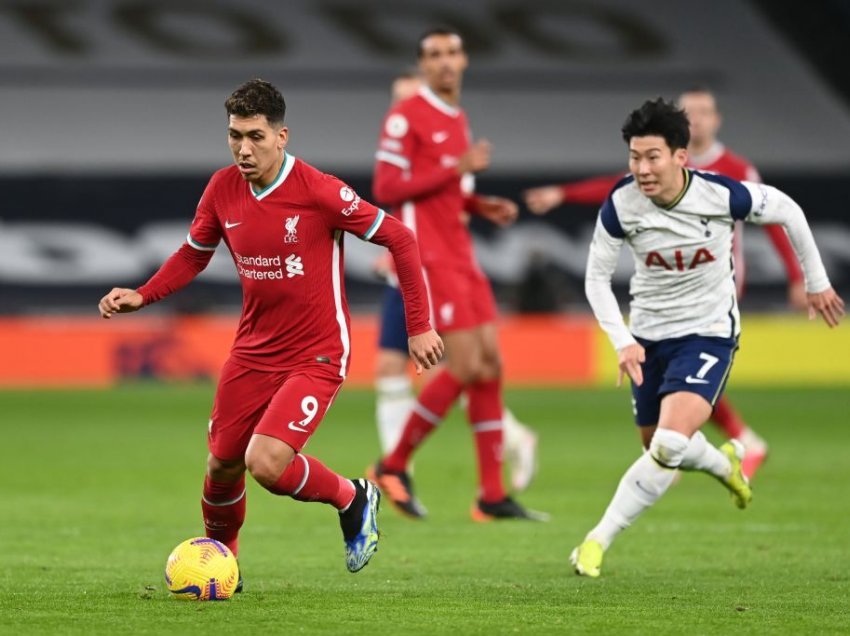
x=393, y=327
x=697, y=364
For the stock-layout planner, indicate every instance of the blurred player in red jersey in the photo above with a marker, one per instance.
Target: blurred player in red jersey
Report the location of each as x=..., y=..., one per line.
x=706, y=153
x=394, y=397
x=424, y=168
x=283, y=222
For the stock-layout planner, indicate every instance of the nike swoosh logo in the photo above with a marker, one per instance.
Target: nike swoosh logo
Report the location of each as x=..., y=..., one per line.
x=691, y=380
x=439, y=137
x=295, y=427
x=228, y=224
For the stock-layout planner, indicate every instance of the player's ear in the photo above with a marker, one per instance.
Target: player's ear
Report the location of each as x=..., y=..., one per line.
x=282, y=137
x=680, y=156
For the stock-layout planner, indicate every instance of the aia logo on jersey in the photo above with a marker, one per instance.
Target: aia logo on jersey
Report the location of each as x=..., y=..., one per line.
x=679, y=261
x=292, y=229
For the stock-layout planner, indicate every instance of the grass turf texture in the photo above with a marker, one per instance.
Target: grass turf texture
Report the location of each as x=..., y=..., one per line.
x=98, y=487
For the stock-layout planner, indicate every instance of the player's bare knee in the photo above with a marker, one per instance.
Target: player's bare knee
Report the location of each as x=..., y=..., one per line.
x=221, y=470
x=467, y=371
x=264, y=468
x=491, y=368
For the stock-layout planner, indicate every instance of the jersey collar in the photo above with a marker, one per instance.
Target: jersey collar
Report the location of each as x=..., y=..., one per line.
x=432, y=98
x=682, y=194
x=285, y=169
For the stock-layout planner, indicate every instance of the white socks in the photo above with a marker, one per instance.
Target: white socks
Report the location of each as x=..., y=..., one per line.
x=701, y=455
x=392, y=407
x=515, y=433
x=642, y=485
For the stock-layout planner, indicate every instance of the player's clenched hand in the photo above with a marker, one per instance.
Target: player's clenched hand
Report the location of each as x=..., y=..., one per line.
x=541, y=200
x=426, y=349
x=498, y=210
x=476, y=159
x=630, y=359
x=120, y=301
x=828, y=304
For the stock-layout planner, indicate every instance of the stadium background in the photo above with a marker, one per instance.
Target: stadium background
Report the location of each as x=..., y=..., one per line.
x=114, y=122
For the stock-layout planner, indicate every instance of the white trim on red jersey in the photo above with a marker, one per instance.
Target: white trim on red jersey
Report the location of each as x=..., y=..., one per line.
x=394, y=159
x=340, y=314
x=431, y=97
x=285, y=169
x=376, y=224
x=199, y=246
x=714, y=152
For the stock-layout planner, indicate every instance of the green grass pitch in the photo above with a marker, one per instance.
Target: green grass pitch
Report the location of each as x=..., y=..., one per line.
x=97, y=487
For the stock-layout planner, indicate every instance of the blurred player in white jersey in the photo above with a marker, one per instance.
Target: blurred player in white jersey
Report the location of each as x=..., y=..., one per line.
x=706, y=153
x=394, y=392
x=684, y=322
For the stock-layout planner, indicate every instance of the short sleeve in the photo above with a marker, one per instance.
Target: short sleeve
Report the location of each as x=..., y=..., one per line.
x=343, y=208
x=205, y=232
x=740, y=198
x=397, y=141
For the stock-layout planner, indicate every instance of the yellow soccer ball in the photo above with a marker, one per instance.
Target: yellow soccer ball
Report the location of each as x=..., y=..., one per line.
x=202, y=569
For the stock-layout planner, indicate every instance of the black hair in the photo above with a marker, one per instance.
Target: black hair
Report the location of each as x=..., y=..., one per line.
x=657, y=117
x=441, y=29
x=257, y=97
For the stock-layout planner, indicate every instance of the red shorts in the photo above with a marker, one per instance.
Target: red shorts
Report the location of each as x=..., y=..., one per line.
x=460, y=298
x=286, y=405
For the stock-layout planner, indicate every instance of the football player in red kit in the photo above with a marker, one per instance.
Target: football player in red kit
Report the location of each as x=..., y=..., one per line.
x=424, y=169
x=283, y=222
x=708, y=154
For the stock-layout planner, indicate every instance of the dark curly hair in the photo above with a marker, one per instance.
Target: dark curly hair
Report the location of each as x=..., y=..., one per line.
x=657, y=117
x=257, y=97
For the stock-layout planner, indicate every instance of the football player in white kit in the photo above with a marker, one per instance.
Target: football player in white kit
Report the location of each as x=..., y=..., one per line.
x=684, y=321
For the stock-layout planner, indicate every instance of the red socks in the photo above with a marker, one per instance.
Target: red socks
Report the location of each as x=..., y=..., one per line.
x=728, y=419
x=223, y=506
x=308, y=479
x=433, y=404
x=485, y=417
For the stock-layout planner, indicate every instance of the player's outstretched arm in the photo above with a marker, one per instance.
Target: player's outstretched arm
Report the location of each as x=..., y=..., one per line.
x=498, y=210
x=828, y=304
x=120, y=301
x=592, y=191
x=771, y=206
x=542, y=199
x=426, y=350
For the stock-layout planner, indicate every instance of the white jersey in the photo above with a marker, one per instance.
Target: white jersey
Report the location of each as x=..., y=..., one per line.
x=684, y=280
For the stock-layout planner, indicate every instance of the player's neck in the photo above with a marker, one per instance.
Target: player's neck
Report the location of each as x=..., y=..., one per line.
x=271, y=175
x=700, y=148
x=450, y=96
x=671, y=197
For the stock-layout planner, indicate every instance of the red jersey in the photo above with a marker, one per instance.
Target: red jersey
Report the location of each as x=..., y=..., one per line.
x=416, y=173
x=717, y=159
x=286, y=243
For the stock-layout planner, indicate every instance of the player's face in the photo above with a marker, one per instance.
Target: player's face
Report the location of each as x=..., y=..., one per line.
x=442, y=62
x=657, y=168
x=257, y=147
x=703, y=117
x=405, y=87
